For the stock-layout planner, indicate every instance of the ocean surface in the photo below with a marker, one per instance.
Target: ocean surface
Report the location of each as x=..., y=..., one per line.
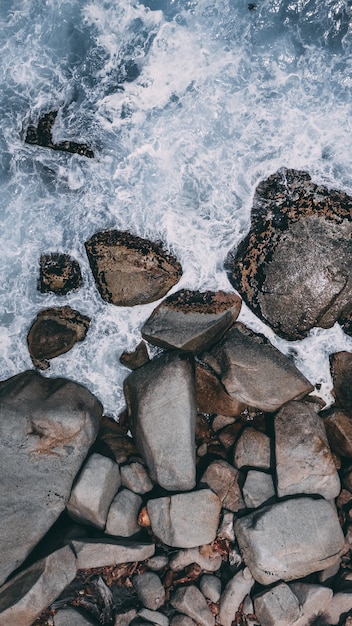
x=187, y=106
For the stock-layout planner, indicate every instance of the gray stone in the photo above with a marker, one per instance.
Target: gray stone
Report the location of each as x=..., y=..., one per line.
x=329, y=572
x=191, y=320
x=220, y=421
x=290, y=540
x=94, y=491
x=209, y=562
x=254, y=372
x=26, y=595
x=252, y=450
x=234, y=593
x=191, y=602
x=222, y=478
x=277, y=606
x=210, y=587
x=135, y=477
x=157, y=563
x=313, y=599
x=293, y=269
x=161, y=401
x=185, y=520
x=101, y=552
x=182, y=620
x=123, y=514
x=46, y=429
x=341, y=371
x=125, y=619
x=225, y=530
x=304, y=463
x=155, y=617
x=257, y=489
x=341, y=603
x=71, y=617
x=150, y=590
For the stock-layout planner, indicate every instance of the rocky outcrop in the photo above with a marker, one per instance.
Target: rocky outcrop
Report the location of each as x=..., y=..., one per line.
x=46, y=429
x=59, y=273
x=41, y=135
x=54, y=332
x=129, y=270
x=293, y=269
x=192, y=320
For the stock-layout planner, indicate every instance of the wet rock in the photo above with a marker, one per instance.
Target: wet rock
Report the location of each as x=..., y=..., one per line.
x=46, y=429
x=41, y=135
x=210, y=587
x=211, y=395
x=173, y=518
x=293, y=269
x=26, y=595
x=154, y=617
x=59, y=273
x=160, y=398
x=129, y=270
x=94, y=491
x=234, y=593
x=341, y=371
x=54, y=332
x=209, y=562
x=313, y=599
x=222, y=478
x=123, y=514
x=277, y=606
x=192, y=320
x=304, y=463
x=338, y=426
x=254, y=372
x=150, y=590
x=257, y=489
x=341, y=603
x=112, y=440
x=135, y=359
x=71, y=617
x=289, y=540
x=101, y=552
x=191, y=602
x=135, y=477
x=253, y=450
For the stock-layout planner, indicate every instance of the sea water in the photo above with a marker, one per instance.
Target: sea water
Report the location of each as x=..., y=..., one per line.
x=187, y=104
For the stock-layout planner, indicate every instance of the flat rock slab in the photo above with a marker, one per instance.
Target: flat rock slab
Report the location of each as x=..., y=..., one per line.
x=161, y=401
x=191, y=602
x=289, y=540
x=304, y=463
x=26, y=595
x=47, y=427
x=185, y=520
x=99, y=553
x=59, y=273
x=54, y=332
x=297, y=256
x=129, y=270
x=254, y=372
x=192, y=320
x=222, y=478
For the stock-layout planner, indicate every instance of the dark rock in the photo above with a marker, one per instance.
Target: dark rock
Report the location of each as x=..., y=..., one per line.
x=129, y=270
x=338, y=427
x=41, y=135
x=137, y=358
x=341, y=371
x=54, y=332
x=293, y=269
x=112, y=440
x=47, y=427
x=254, y=372
x=192, y=320
x=212, y=396
x=59, y=273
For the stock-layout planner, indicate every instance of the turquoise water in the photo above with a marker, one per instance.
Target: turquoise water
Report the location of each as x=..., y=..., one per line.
x=187, y=106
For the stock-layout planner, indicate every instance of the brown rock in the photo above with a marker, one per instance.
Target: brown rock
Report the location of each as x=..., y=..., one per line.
x=112, y=439
x=341, y=370
x=212, y=396
x=253, y=450
x=54, y=332
x=230, y=434
x=59, y=273
x=135, y=359
x=203, y=432
x=338, y=427
x=41, y=135
x=129, y=270
x=222, y=478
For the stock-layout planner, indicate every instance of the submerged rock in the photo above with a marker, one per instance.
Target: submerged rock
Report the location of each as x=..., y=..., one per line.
x=192, y=320
x=46, y=429
x=54, y=332
x=59, y=273
x=129, y=270
x=293, y=269
x=41, y=135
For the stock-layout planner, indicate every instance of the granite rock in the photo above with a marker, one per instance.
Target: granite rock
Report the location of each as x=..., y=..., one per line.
x=341, y=372
x=339, y=604
x=135, y=359
x=71, y=617
x=313, y=599
x=154, y=617
x=210, y=587
x=41, y=135
x=212, y=396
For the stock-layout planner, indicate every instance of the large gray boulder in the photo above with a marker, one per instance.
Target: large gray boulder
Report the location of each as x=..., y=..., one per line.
x=161, y=402
x=46, y=429
x=304, y=463
x=254, y=372
x=192, y=320
x=129, y=270
x=294, y=268
x=290, y=540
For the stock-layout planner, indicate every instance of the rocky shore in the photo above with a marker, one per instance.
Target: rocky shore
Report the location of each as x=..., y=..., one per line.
x=223, y=497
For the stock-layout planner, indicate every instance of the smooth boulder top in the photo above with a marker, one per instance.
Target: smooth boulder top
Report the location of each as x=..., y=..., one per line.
x=129, y=270
x=192, y=320
x=46, y=429
x=297, y=256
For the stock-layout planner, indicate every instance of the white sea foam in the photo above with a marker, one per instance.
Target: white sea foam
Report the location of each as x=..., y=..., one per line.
x=221, y=97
